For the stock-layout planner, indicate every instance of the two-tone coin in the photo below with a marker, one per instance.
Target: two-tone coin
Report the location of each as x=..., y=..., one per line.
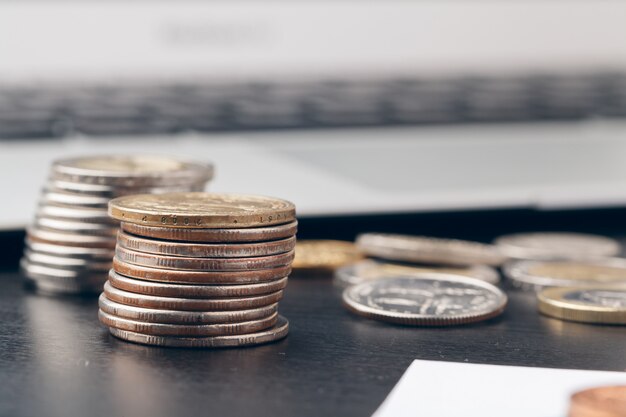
x=427, y=300
x=585, y=304
x=557, y=246
x=272, y=334
x=428, y=250
x=206, y=250
x=369, y=270
x=195, y=291
x=535, y=275
x=190, y=304
x=202, y=210
x=325, y=255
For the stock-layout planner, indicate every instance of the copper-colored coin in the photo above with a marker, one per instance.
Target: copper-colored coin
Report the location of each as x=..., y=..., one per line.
x=188, y=291
x=198, y=277
x=211, y=250
x=272, y=334
x=39, y=235
x=202, y=210
x=160, y=329
x=607, y=401
x=202, y=264
x=190, y=304
x=253, y=234
x=152, y=315
x=325, y=254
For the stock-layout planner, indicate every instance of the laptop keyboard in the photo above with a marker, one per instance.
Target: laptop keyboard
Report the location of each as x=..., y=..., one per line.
x=46, y=111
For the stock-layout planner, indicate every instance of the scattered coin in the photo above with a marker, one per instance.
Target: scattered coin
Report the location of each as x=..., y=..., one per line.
x=194, y=330
x=202, y=210
x=202, y=264
x=535, y=275
x=428, y=300
x=206, y=250
x=190, y=304
x=557, y=246
x=275, y=333
x=369, y=270
x=588, y=305
x=607, y=401
x=428, y=250
x=131, y=170
x=152, y=315
x=325, y=254
x=199, y=277
x=191, y=291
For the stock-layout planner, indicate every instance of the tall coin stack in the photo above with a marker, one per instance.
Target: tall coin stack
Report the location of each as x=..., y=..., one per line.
x=199, y=269
x=70, y=245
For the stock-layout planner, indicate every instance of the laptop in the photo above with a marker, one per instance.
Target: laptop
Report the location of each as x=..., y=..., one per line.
x=343, y=107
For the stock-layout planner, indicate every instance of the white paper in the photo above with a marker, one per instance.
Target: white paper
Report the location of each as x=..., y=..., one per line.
x=438, y=389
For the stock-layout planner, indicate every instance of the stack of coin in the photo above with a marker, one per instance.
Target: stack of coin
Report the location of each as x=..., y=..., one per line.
x=199, y=269
x=70, y=245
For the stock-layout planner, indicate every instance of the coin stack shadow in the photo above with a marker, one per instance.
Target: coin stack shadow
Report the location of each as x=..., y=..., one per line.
x=69, y=247
x=180, y=286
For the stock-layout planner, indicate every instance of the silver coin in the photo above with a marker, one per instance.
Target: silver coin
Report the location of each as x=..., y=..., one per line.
x=428, y=250
x=190, y=304
x=52, y=286
x=71, y=251
x=131, y=170
x=193, y=291
x=152, y=315
x=601, y=297
x=86, y=214
x=36, y=271
x=68, y=226
x=272, y=334
x=73, y=199
x=428, y=300
x=188, y=330
x=536, y=275
x=37, y=234
x=112, y=191
x=66, y=262
x=369, y=270
x=552, y=246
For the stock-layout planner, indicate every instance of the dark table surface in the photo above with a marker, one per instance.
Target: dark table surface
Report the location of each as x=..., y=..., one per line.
x=57, y=360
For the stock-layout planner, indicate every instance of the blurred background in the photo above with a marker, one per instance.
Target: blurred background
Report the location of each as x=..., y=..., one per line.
x=349, y=108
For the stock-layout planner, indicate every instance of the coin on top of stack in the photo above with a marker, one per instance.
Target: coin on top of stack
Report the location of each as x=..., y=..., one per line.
x=70, y=245
x=199, y=269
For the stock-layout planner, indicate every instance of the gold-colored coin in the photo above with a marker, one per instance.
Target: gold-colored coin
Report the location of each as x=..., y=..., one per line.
x=585, y=304
x=324, y=254
x=202, y=210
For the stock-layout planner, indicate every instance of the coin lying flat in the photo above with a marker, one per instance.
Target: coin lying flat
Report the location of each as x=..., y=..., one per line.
x=253, y=234
x=71, y=251
x=428, y=300
x=83, y=214
x=609, y=401
x=65, y=226
x=74, y=199
x=197, y=277
x=369, y=270
x=110, y=191
x=66, y=262
x=194, y=291
x=130, y=170
x=195, y=330
x=428, y=250
x=206, y=250
x=534, y=275
x=193, y=304
x=202, y=210
x=557, y=246
x=202, y=264
x=324, y=254
x=272, y=334
x=152, y=315
x=588, y=305
x=53, y=287
x=39, y=235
